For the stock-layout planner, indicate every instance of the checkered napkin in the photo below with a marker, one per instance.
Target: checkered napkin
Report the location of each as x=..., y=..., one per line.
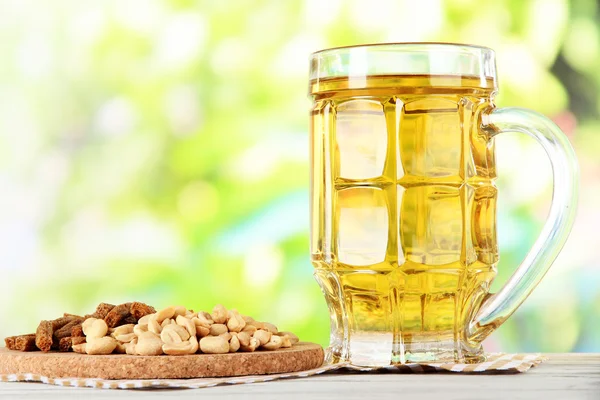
x=495, y=364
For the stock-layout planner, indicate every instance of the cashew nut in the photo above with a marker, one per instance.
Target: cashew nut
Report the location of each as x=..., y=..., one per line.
x=293, y=338
x=244, y=338
x=250, y=329
x=217, y=329
x=270, y=327
x=219, y=314
x=214, y=345
x=263, y=336
x=253, y=344
x=234, y=343
x=178, y=330
x=285, y=341
x=235, y=323
x=187, y=324
x=274, y=343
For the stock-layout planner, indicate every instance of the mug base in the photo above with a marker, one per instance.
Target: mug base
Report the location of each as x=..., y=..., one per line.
x=372, y=352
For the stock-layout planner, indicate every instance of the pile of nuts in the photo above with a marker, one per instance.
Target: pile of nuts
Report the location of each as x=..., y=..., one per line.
x=137, y=329
x=178, y=331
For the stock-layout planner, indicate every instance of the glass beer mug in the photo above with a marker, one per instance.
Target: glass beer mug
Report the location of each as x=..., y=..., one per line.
x=403, y=201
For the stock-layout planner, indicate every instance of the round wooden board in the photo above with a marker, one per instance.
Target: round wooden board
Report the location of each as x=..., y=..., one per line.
x=302, y=356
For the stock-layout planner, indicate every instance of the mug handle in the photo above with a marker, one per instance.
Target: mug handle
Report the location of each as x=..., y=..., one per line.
x=497, y=307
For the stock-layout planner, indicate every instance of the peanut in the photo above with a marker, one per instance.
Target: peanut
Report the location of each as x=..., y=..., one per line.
x=179, y=310
x=219, y=314
x=235, y=323
x=274, y=343
x=244, y=338
x=122, y=330
x=145, y=319
x=178, y=330
x=253, y=344
x=100, y=345
x=270, y=327
x=293, y=338
x=262, y=336
x=149, y=344
x=187, y=324
x=247, y=319
x=234, y=344
x=166, y=322
x=164, y=314
x=226, y=336
x=176, y=349
x=79, y=348
x=205, y=318
x=214, y=345
x=217, y=329
x=154, y=326
x=126, y=337
x=88, y=322
x=121, y=348
x=95, y=329
x=140, y=329
x=130, y=347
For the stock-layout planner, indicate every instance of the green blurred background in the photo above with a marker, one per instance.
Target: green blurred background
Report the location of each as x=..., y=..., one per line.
x=158, y=151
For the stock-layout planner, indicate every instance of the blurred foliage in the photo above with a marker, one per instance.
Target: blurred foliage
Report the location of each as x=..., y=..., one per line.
x=157, y=151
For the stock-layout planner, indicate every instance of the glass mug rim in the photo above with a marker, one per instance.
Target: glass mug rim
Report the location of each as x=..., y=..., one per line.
x=406, y=44
x=453, y=60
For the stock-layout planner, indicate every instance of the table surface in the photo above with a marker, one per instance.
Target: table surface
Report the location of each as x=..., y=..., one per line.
x=562, y=376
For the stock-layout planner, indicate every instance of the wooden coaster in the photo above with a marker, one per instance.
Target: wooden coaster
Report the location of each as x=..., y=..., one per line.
x=302, y=356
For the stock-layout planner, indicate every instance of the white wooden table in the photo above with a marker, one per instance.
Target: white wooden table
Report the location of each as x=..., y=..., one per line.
x=563, y=376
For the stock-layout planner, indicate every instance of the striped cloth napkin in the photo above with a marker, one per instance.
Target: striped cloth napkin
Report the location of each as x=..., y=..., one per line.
x=497, y=363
